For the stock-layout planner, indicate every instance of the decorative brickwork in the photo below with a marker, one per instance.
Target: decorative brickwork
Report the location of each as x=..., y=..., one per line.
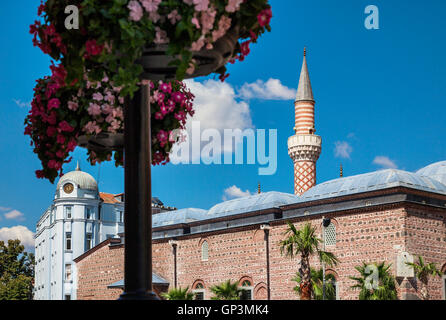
x=368, y=235
x=304, y=176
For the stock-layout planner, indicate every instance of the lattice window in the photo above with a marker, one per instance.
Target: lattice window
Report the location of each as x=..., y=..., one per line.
x=205, y=251
x=330, y=235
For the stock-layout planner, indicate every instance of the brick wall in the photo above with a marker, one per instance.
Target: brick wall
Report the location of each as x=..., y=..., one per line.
x=369, y=235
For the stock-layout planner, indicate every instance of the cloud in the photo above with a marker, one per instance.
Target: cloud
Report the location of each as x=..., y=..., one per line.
x=14, y=215
x=4, y=208
x=22, y=104
x=216, y=107
x=22, y=233
x=272, y=89
x=343, y=149
x=385, y=162
x=235, y=192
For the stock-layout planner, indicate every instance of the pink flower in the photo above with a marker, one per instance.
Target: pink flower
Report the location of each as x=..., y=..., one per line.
x=195, y=22
x=60, y=154
x=162, y=137
x=53, y=104
x=136, y=11
x=106, y=109
x=178, y=97
x=98, y=96
x=197, y=45
x=92, y=127
x=201, y=5
x=94, y=109
x=159, y=116
x=233, y=5
x=160, y=36
x=264, y=17
x=174, y=16
x=151, y=5
x=180, y=116
x=73, y=106
x=71, y=145
x=166, y=87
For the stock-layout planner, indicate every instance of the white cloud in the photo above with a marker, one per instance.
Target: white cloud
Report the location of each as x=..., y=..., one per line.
x=22, y=104
x=15, y=215
x=385, y=162
x=216, y=107
x=272, y=89
x=4, y=208
x=343, y=149
x=235, y=192
x=18, y=232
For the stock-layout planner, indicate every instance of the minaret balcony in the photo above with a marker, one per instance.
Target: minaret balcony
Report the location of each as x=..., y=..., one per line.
x=304, y=147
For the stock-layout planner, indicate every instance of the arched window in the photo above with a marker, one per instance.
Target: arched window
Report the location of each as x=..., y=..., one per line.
x=198, y=290
x=330, y=235
x=247, y=289
x=204, y=251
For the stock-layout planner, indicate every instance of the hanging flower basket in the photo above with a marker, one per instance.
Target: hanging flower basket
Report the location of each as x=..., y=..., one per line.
x=158, y=65
x=116, y=45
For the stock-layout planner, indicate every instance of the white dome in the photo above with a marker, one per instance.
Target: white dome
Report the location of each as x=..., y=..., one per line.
x=82, y=179
x=435, y=171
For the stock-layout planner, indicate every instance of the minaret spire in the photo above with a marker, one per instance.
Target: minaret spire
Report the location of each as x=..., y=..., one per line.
x=304, y=147
x=78, y=168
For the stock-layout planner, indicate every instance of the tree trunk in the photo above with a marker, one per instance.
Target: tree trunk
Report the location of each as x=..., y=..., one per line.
x=305, y=285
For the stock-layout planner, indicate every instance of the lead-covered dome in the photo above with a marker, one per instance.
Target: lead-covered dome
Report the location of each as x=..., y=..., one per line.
x=82, y=179
x=435, y=171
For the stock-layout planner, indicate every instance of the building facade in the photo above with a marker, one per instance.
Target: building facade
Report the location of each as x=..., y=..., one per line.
x=388, y=215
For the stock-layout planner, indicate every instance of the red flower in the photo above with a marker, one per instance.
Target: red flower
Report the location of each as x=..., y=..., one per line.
x=40, y=174
x=92, y=47
x=53, y=104
x=51, y=131
x=264, y=17
x=244, y=47
x=64, y=126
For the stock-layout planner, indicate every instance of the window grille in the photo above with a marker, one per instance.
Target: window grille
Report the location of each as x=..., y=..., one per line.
x=330, y=235
x=205, y=251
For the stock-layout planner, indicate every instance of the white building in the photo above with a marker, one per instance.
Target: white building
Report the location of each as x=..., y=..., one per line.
x=79, y=218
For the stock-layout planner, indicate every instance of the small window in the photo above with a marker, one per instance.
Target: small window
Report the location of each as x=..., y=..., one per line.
x=330, y=235
x=89, y=242
x=68, y=212
x=68, y=272
x=121, y=216
x=68, y=241
x=246, y=290
x=88, y=213
x=199, y=291
x=205, y=251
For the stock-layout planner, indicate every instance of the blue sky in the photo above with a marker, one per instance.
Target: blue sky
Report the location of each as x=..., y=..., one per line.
x=379, y=93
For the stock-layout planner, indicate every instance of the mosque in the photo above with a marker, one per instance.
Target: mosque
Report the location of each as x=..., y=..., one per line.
x=388, y=215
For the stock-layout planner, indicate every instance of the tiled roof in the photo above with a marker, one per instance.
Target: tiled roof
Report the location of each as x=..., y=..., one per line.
x=435, y=171
x=156, y=279
x=178, y=217
x=108, y=197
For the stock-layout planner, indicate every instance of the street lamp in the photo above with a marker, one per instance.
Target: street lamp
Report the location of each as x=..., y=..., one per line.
x=325, y=223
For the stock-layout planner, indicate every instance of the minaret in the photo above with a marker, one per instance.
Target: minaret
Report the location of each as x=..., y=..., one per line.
x=305, y=146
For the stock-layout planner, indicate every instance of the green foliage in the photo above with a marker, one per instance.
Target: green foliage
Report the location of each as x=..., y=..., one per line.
x=16, y=271
x=305, y=243
x=317, y=285
x=227, y=291
x=178, y=294
x=385, y=289
x=422, y=272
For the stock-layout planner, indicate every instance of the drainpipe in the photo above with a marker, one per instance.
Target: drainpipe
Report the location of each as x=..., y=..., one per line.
x=174, y=245
x=266, y=228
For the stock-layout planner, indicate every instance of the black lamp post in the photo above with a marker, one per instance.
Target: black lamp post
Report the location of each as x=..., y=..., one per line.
x=138, y=198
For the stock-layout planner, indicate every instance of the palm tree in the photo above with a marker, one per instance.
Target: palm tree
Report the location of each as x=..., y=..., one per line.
x=375, y=282
x=317, y=285
x=226, y=291
x=305, y=243
x=178, y=294
x=423, y=271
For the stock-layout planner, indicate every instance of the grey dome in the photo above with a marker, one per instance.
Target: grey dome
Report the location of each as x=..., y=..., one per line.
x=82, y=179
x=435, y=171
